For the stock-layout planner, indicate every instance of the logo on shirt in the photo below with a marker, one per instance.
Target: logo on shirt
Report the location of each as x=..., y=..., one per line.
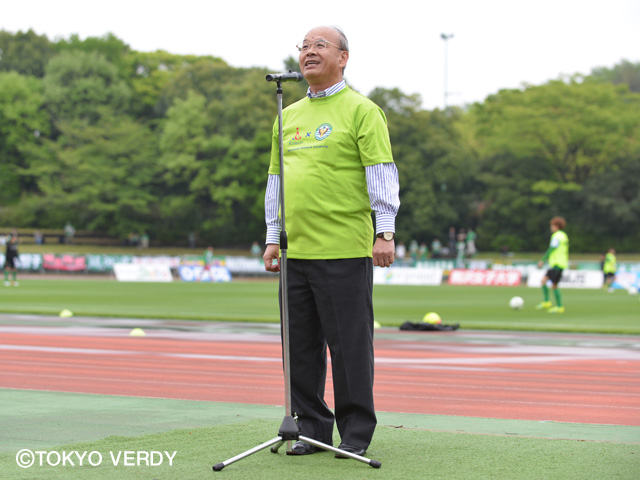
x=297, y=137
x=323, y=131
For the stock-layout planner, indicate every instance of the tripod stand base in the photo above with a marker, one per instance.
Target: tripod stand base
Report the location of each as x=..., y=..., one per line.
x=219, y=466
x=324, y=446
x=289, y=431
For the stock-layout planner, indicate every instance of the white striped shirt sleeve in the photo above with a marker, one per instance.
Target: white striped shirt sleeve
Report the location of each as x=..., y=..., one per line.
x=271, y=209
x=384, y=194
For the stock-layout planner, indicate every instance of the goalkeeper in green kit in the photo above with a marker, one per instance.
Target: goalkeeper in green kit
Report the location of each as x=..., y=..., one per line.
x=558, y=258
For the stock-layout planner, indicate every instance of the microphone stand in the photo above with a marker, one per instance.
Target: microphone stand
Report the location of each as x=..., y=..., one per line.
x=289, y=430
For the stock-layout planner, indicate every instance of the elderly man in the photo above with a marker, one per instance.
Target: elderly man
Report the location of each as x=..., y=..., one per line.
x=338, y=167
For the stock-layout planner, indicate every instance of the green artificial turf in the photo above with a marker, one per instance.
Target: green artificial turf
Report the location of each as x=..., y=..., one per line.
x=592, y=311
x=404, y=453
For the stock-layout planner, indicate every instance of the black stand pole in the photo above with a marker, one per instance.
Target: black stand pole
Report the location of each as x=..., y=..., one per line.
x=289, y=430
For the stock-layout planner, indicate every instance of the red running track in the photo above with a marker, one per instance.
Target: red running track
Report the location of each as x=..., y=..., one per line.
x=555, y=377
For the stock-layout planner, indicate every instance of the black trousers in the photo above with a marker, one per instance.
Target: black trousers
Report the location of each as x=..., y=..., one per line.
x=330, y=304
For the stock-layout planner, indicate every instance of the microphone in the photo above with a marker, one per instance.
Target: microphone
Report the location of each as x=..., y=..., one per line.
x=285, y=77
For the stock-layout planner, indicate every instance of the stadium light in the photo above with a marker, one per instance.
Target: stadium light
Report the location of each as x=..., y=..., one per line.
x=445, y=37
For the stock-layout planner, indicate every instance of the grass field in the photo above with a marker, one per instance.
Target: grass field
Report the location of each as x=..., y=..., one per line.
x=405, y=454
x=590, y=311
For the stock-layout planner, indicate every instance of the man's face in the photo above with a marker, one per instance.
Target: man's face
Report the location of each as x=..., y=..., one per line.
x=323, y=67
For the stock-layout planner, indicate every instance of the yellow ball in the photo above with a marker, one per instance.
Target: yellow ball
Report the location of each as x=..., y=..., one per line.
x=432, y=318
x=137, y=332
x=376, y=324
x=66, y=313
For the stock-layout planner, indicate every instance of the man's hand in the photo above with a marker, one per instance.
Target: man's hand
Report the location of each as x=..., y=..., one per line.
x=271, y=253
x=383, y=252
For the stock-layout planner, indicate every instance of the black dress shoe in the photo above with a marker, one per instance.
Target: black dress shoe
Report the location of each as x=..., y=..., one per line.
x=350, y=449
x=302, y=448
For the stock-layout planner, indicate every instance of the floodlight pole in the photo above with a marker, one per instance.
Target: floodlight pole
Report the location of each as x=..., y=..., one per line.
x=446, y=37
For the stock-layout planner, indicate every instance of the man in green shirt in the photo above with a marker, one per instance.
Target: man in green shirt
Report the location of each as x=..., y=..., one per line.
x=338, y=168
x=609, y=268
x=558, y=257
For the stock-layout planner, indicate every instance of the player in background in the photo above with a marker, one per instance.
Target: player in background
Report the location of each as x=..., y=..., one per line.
x=558, y=258
x=609, y=268
x=207, y=258
x=10, y=257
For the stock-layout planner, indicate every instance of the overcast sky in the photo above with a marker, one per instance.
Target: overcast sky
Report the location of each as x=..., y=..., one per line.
x=496, y=44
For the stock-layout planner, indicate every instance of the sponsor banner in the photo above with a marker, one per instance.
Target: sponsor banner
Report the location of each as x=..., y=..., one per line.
x=438, y=263
x=570, y=279
x=502, y=278
x=450, y=264
x=25, y=261
x=523, y=267
x=478, y=264
x=129, y=272
x=198, y=273
x=29, y=261
x=246, y=265
x=626, y=280
x=170, y=261
x=64, y=262
x=407, y=276
x=629, y=267
x=216, y=260
x=589, y=266
x=103, y=263
x=623, y=267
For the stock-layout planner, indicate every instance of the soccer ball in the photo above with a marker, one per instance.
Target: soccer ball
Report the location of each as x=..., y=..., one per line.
x=516, y=303
x=432, y=318
x=633, y=290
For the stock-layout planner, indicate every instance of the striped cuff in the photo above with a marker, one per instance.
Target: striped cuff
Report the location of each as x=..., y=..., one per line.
x=385, y=222
x=273, y=235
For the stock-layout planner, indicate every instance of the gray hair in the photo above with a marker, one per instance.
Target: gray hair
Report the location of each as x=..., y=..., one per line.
x=344, y=43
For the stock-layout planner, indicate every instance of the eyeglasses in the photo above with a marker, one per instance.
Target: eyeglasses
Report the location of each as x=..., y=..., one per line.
x=317, y=45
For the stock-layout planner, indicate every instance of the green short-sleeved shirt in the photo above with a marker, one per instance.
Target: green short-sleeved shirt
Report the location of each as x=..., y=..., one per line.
x=328, y=142
x=559, y=257
x=610, y=263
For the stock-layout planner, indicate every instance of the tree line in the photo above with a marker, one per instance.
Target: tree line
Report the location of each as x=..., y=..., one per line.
x=119, y=141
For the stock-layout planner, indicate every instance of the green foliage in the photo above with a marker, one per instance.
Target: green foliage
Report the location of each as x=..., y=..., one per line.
x=223, y=176
x=610, y=205
x=118, y=140
x=25, y=53
x=625, y=72
x=574, y=129
x=109, y=46
x=436, y=169
x=77, y=84
x=96, y=175
x=22, y=122
x=540, y=147
x=149, y=75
